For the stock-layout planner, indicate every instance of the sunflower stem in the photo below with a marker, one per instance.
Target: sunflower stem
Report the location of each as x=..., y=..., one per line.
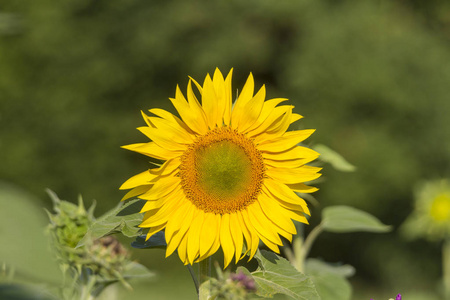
x=204, y=274
x=446, y=267
x=194, y=277
x=310, y=239
x=297, y=259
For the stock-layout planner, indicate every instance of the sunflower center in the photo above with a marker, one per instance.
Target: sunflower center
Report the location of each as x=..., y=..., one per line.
x=222, y=171
x=440, y=209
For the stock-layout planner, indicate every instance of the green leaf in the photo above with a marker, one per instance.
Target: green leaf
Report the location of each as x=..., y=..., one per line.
x=317, y=265
x=136, y=270
x=124, y=218
x=329, y=280
x=275, y=275
x=158, y=240
x=204, y=291
x=333, y=158
x=341, y=219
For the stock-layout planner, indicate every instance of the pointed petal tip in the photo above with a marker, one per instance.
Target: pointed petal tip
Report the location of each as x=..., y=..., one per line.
x=217, y=71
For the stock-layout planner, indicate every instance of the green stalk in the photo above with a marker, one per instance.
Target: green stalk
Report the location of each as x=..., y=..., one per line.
x=446, y=268
x=302, y=251
x=194, y=277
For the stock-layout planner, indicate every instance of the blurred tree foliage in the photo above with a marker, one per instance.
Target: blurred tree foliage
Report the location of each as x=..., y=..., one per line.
x=372, y=77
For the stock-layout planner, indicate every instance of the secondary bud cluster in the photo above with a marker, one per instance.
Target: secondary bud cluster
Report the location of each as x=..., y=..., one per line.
x=104, y=257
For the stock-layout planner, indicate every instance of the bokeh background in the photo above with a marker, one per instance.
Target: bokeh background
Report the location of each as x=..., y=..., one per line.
x=372, y=76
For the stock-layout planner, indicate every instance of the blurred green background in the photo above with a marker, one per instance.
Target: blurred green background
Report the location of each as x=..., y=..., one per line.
x=372, y=76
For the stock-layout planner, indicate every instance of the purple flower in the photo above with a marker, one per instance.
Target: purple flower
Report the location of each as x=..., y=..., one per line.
x=246, y=281
x=399, y=297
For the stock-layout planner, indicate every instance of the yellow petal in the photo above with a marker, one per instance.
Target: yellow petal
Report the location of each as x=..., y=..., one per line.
x=290, y=176
x=228, y=99
x=162, y=138
x=159, y=216
x=252, y=110
x=199, y=87
x=176, y=194
x=292, y=163
x=268, y=243
x=296, y=152
x=245, y=231
x=161, y=188
x=185, y=211
x=172, y=129
x=180, y=228
x=188, y=115
x=276, y=213
x=209, y=233
x=274, y=118
x=261, y=224
x=153, y=150
x=209, y=103
x=295, y=118
x=146, y=119
x=194, y=237
x=168, y=122
x=196, y=107
x=182, y=249
x=216, y=244
x=277, y=129
x=284, y=193
x=143, y=178
x=297, y=216
x=285, y=142
x=236, y=234
x=173, y=120
x=254, y=234
x=221, y=96
x=137, y=191
x=302, y=188
x=242, y=100
x=226, y=240
x=266, y=111
x=154, y=230
x=167, y=168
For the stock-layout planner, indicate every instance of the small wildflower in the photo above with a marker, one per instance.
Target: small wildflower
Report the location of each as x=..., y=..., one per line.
x=232, y=286
x=245, y=280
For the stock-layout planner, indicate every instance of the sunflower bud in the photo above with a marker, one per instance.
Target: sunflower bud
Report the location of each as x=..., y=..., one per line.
x=104, y=257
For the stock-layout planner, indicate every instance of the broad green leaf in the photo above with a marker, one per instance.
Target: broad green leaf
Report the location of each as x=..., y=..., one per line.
x=158, y=240
x=24, y=245
x=124, y=218
x=342, y=219
x=333, y=158
x=132, y=270
x=331, y=286
x=204, y=291
x=275, y=275
x=317, y=265
x=136, y=270
x=330, y=280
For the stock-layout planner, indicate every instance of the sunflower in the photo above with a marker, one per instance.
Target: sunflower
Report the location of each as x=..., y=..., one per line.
x=431, y=216
x=229, y=175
